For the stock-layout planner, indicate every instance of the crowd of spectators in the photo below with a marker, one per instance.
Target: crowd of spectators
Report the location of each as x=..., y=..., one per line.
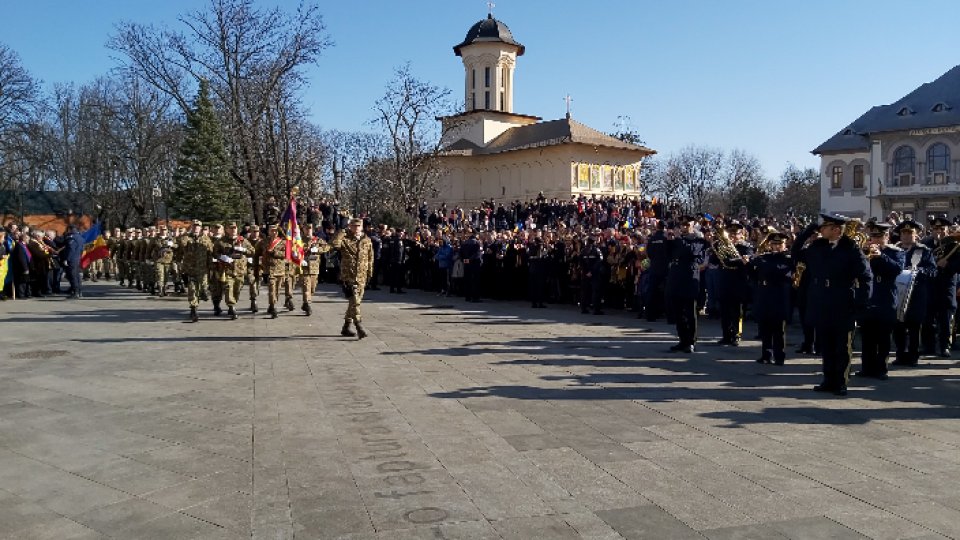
x=38, y=261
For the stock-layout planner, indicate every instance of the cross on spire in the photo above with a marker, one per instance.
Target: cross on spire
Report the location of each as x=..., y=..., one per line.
x=569, y=100
x=490, y=6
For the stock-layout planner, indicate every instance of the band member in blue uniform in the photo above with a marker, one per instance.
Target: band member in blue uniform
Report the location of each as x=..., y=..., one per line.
x=733, y=287
x=772, y=274
x=918, y=258
x=877, y=320
x=937, y=330
x=687, y=251
x=840, y=283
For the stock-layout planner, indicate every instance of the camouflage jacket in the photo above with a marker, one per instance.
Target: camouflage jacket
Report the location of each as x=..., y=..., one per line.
x=311, y=256
x=161, y=250
x=356, y=258
x=274, y=259
x=236, y=249
x=197, y=254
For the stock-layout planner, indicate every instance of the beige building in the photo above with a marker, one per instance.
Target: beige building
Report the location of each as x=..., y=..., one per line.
x=490, y=152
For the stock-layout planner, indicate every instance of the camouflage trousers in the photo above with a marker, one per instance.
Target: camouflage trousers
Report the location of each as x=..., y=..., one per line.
x=231, y=289
x=195, y=286
x=273, y=289
x=110, y=267
x=288, y=284
x=308, y=284
x=253, y=286
x=162, y=272
x=216, y=289
x=95, y=269
x=354, y=297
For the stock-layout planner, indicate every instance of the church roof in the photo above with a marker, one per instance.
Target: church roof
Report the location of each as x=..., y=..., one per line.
x=489, y=30
x=551, y=133
x=934, y=104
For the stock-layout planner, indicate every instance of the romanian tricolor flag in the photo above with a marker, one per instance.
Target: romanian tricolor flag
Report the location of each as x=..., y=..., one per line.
x=94, y=246
x=291, y=230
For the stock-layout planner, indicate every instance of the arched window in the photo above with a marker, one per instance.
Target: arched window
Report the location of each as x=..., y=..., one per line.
x=938, y=163
x=903, y=165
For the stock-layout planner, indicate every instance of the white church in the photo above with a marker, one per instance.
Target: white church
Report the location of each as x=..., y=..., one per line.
x=491, y=152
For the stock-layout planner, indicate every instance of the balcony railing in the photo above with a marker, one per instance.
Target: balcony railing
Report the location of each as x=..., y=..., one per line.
x=921, y=189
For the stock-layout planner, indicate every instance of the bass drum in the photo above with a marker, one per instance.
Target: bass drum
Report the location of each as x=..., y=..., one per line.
x=904, y=288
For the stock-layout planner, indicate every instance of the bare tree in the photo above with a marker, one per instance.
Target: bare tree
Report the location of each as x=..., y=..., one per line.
x=253, y=59
x=745, y=184
x=407, y=115
x=691, y=177
x=799, y=192
x=20, y=104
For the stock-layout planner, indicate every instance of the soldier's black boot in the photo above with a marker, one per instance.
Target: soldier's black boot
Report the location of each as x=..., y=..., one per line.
x=345, y=331
x=231, y=313
x=216, y=309
x=139, y=285
x=193, y=314
x=307, y=309
x=361, y=333
x=288, y=304
x=272, y=312
x=253, y=306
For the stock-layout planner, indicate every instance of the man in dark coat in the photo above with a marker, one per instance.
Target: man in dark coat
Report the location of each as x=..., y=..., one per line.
x=937, y=330
x=687, y=252
x=470, y=253
x=772, y=273
x=733, y=288
x=20, y=263
x=656, y=275
x=876, y=321
x=591, y=261
x=917, y=258
x=840, y=283
x=397, y=254
x=70, y=259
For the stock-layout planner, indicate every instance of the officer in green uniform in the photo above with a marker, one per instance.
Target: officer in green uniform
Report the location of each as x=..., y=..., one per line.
x=275, y=265
x=356, y=266
x=253, y=266
x=232, y=251
x=310, y=266
x=197, y=249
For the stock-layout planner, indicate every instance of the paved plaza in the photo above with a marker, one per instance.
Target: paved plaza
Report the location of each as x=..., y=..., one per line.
x=453, y=420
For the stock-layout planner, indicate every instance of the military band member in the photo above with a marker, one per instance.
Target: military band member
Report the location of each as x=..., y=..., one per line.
x=733, y=287
x=937, y=330
x=687, y=252
x=840, y=283
x=591, y=276
x=773, y=274
x=356, y=267
x=919, y=258
x=275, y=266
x=197, y=249
x=877, y=320
x=313, y=248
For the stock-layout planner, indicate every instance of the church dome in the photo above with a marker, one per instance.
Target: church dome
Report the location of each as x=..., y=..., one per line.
x=489, y=30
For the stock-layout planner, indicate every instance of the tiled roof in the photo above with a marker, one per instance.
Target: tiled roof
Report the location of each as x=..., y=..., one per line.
x=551, y=133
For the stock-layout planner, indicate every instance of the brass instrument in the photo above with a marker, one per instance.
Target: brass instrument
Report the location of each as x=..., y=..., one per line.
x=762, y=246
x=952, y=243
x=851, y=229
x=798, y=274
x=724, y=247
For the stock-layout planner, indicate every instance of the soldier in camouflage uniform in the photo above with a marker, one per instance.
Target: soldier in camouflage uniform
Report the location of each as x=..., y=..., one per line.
x=310, y=266
x=120, y=253
x=148, y=262
x=197, y=249
x=356, y=266
x=162, y=254
x=236, y=249
x=275, y=265
x=110, y=264
x=137, y=259
x=214, y=279
x=293, y=273
x=253, y=268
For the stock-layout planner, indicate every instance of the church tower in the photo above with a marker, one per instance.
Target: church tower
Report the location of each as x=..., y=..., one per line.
x=489, y=55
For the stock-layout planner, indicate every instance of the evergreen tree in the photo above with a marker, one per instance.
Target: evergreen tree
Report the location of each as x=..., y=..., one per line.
x=202, y=185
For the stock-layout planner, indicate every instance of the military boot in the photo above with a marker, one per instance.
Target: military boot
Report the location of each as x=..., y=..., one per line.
x=272, y=312
x=193, y=314
x=288, y=304
x=253, y=306
x=307, y=310
x=345, y=331
x=361, y=333
x=216, y=308
x=231, y=313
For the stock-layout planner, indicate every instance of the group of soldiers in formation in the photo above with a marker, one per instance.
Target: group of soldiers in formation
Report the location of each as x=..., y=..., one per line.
x=216, y=262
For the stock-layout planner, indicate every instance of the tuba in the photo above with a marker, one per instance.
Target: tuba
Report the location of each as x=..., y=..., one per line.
x=724, y=247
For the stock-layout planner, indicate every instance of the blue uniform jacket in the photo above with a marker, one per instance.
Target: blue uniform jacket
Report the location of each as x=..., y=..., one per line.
x=840, y=282
x=885, y=267
x=772, y=274
x=683, y=277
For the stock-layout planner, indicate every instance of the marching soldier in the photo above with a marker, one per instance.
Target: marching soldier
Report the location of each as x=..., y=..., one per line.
x=215, y=277
x=919, y=259
x=840, y=283
x=773, y=274
x=877, y=320
x=687, y=252
x=293, y=273
x=356, y=266
x=148, y=263
x=232, y=252
x=310, y=266
x=162, y=254
x=253, y=266
x=275, y=265
x=733, y=287
x=197, y=249
x=121, y=244
x=136, y=261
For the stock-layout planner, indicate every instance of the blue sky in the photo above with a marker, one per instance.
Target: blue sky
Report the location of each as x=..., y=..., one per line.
x=773, y=78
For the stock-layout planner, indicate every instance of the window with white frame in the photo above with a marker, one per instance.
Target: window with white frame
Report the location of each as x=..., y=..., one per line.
x=904, y=160
x=938, y=164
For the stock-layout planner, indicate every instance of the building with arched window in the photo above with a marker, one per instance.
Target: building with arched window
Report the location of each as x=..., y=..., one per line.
x=491, y=152
x=902, y=157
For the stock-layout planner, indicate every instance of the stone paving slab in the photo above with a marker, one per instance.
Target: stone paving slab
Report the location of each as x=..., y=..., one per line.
x=120, y=420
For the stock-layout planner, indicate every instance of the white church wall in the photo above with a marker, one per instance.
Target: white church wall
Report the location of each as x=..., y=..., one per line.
x=845, y=200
